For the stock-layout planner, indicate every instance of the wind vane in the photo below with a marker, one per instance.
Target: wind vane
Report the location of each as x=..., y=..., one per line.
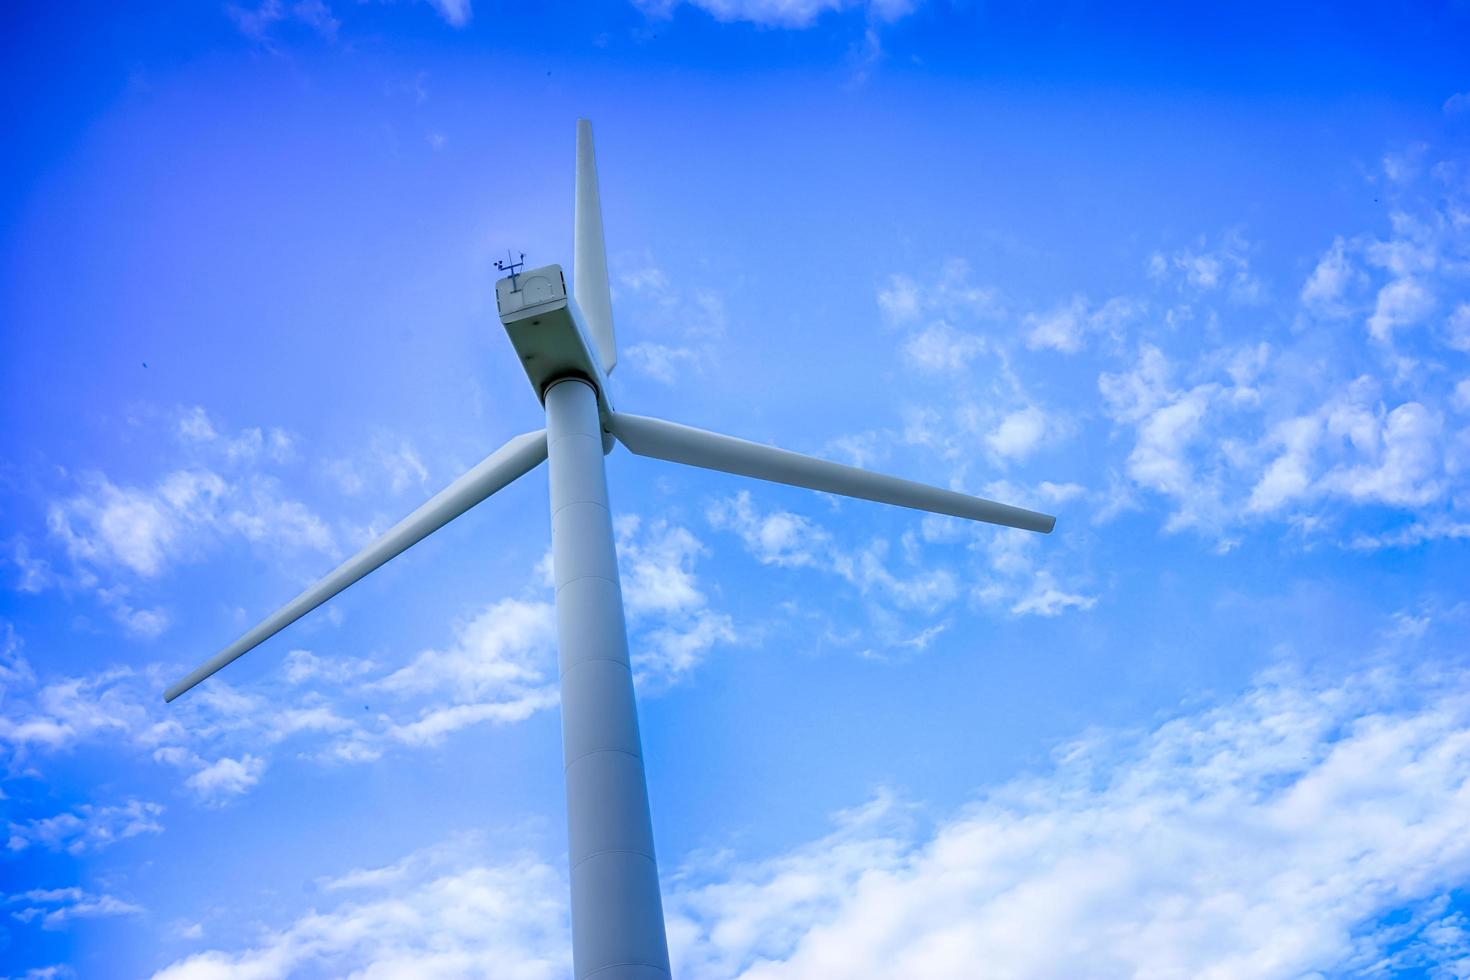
x=567, y=347
x=511, y=266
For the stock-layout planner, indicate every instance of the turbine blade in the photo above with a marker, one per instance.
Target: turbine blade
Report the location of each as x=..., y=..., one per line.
x=696, y=447
x=589, y=266
x=498, y=470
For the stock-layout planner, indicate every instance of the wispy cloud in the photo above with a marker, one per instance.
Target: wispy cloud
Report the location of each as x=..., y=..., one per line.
x=443, y=911
x=87, y=828
x=1302, y=826
x=794, y=14
x=54, y=908
x=684, y=327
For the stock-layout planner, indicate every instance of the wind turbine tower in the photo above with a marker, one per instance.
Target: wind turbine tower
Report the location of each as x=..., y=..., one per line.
x=566, y=344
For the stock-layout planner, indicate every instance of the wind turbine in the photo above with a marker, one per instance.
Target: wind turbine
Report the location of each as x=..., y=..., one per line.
x=566, y=344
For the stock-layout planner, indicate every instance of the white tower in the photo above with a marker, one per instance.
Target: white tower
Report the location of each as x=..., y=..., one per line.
x=566, y=345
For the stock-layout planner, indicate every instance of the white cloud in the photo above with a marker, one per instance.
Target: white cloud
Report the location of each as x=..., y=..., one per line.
x=195, y=428
x=1196, y=441
x=1461, y=397
x=1401, y=303
x=1404, y=468
x=505, y=648
x=456, y=13
x=55, y=907
x=499, y=669
x=1458, y=328
x=781, y=13
x=1060, y=493
x=390, y=463
x=671, y=626
x=146, y=530
x=1414, y=534
x=1044, y=598
x=921, y=584
x=1266, y=837
x=1391, y=458
x=303, y=665
x=130, y=527
x=777, y=537
x=88, y=828
x=1403, y=166
x=437, y=722
x=226, y=777
x=1065, y=328
x=940, y=347
x=121, y=707
x=789, y=540
x=689, y=324
x=1169, y=425
x=1019, y=433
x=1325, y=287
x=1061, y=329
x=663, y=362
x=144, y=623
x=950, y=297
x=440, y=913
x=1020, y=582
x=119, y=537
x=1298, y=828
x=1200, y=269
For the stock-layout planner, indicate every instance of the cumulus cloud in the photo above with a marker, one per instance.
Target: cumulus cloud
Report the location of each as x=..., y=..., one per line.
x=1351, y=447
x=1065, y=328
x=1401, y=303
x=1211, y=437
x=671, y=624
x=145, y=531
x=226, y=777
x=1018, y=433
x=1169, y=423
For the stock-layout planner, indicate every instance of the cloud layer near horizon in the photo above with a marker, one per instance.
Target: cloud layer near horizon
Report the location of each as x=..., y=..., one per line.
x=1300, y=828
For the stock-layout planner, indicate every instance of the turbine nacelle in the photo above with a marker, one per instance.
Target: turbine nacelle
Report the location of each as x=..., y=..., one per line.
x=549, y=333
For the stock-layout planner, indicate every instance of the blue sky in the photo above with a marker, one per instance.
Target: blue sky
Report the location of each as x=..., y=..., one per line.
x=1196, y=281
